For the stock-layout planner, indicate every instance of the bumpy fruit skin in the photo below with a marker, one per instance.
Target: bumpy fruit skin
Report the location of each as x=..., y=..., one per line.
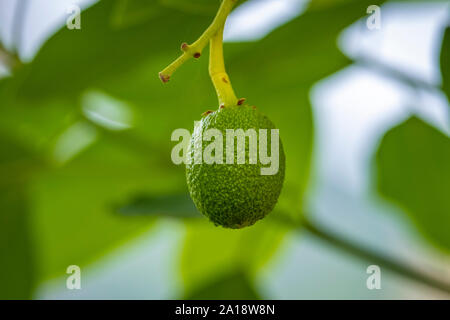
x=234, y=195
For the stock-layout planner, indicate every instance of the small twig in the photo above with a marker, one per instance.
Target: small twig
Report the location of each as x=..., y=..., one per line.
x=373, y=257
x=195, y=50
x=358, y=251
x=394, y=73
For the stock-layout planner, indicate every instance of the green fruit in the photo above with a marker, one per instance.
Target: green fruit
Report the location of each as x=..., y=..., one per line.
x=233, y=195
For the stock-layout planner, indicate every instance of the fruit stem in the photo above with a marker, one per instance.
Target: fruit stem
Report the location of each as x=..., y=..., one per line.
x=195, y=49
x=219, y=76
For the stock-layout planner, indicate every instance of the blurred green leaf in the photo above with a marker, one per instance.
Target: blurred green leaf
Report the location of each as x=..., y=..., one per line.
x=130, y=12
x=212, y=252
x=17, y=266
x=37, y=125
x=100, y=50
x=413, y=164
x=17, y=272
x=196, y=6
x=73, y=213
x=445, y=62
x=174, y=205
x=236, y=286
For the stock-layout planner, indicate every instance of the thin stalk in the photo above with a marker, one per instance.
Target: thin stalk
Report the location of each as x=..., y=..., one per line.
x=219, y=76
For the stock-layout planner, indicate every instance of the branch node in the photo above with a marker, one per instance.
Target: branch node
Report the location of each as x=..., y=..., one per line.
x=164, y=77
x=184, y=47
x=204, y=114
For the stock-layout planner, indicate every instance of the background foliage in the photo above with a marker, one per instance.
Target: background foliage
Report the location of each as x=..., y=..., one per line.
x=74, y=186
